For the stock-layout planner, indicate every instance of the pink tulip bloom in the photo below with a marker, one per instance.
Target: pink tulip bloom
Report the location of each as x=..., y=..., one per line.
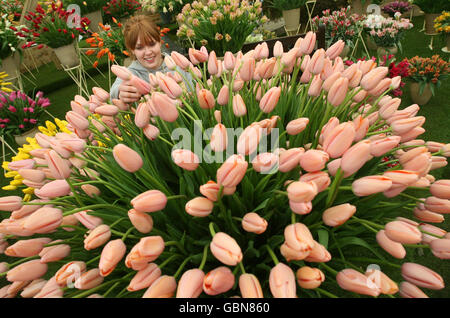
x=408, y=290
x=282, y=281
x=422, y=276
x=97, y=237
x=309, y=278
x=27, y=271
x=127, y=158
x=149, y=201
x=225, y=249
x=218, y=281
x=354, y=281
x=338, y=214
x=190, y=284
x=145, y=277
x=141, y=221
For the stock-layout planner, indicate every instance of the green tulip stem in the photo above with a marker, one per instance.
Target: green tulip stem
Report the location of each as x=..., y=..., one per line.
x=417, y=245
x=23, y=260
x=324, y=292
x=211, y=229
x=205, y=254
x=328, y=268
x=242, y=267
x=124, y=237
x=91, y=207
x=118, y=221
x=121, y=234
x=178, y=272
x=431, y=234
x=411, y=197
x=167, y=261
x=111, y=289
x=92, y=260
x=272, y=255
x=368, y=223
x=177, y=244
x=379, y=132
x=293, y=218
x=100, y=148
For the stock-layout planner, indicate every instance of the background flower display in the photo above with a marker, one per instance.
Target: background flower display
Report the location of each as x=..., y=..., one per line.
x=221, y=25
x=386, y=32
x=135, y=212
x=428, y=72
x=10, y=38
x=87, y=6
x=166, y=6
x=397, y=6
x=121, y=9
x=12, y=9
x=442, y=23
x=20, y=113
x=340, y=25
x=51, y=28
x=4, y=85
x=435, y=6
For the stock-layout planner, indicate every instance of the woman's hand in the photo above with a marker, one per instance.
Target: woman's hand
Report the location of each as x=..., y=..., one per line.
x=128, y=94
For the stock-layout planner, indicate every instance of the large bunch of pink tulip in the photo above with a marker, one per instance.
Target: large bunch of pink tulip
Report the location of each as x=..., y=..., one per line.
x=123, y=210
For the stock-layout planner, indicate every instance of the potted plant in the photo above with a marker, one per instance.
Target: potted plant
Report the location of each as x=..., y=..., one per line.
x=221, y=25
x=10, y=48
x=91, y=10
x=340, y=25
x=54, y=29
x=386, y=33
x=432, y=9
x=442, y=25
x=167, y=9
x=20, y=115
x=110, y=42
x=426, y=75
x=397, y=6
x=122, y=10
x=12, y=8
x=291, y=13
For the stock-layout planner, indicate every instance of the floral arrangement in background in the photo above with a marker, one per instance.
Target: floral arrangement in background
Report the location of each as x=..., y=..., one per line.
x=397, y=6
x=110, y=42
x=221, y=25
x=433, y=6
x=340, y=25
x=51, y=27
x=164, y=6
x=442, y=23
x=87, y=6
x=19, y=112
x=12, y=8
x=386, y=32
x=121, y=8
x=129, y=214
x=5, y=86
x=400, y=69
x=10, y=37
x=425, y=70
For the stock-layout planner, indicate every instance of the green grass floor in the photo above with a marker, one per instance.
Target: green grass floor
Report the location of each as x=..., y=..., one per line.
x=437, y=128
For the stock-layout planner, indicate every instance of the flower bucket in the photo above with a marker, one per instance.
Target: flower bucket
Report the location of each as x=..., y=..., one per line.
x=68, y=55
x=447, y=48
x=345, y=52
x=381, y=51
x=292, y=20
x=95, y=18
x=420, y=99
x=10, y=66
x=22, y=139
x=370, y=43
x=429, y=22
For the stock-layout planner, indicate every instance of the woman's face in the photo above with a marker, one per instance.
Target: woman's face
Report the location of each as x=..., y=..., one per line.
x=149, y=56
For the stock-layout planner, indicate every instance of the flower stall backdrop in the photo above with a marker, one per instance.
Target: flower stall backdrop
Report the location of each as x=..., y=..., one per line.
x=289, y=173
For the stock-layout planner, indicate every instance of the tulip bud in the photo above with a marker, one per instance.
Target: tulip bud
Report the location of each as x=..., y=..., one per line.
x=422, y=276
x=408, y=290
x=300, y=208
x=145, y=277
x=314, y=160
x=403, y=232
x=339, y=139
x=27, y=271
x=112, y=253
x=382, y=281
x=437, y=205
x=252, y=222
x=218, y=281
x=190, y=284
x=300, y=191
x=27, y=248
x=282, y=282
x=352, y=280
x=250, y=286
x=338, y=91
x=44, y=220
x=309, y=278
x=370, y=185
x=232, y=171
x=294, y=127
x=226, y=249
x=441, y=248
x=10, y=203
x=394, y=248
x=338, y=214
x=149, y=201
x=89, y=279
x=141, y=221
x=127, y=158
x=441, y=189
x=69, y=272
x=199, y=206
